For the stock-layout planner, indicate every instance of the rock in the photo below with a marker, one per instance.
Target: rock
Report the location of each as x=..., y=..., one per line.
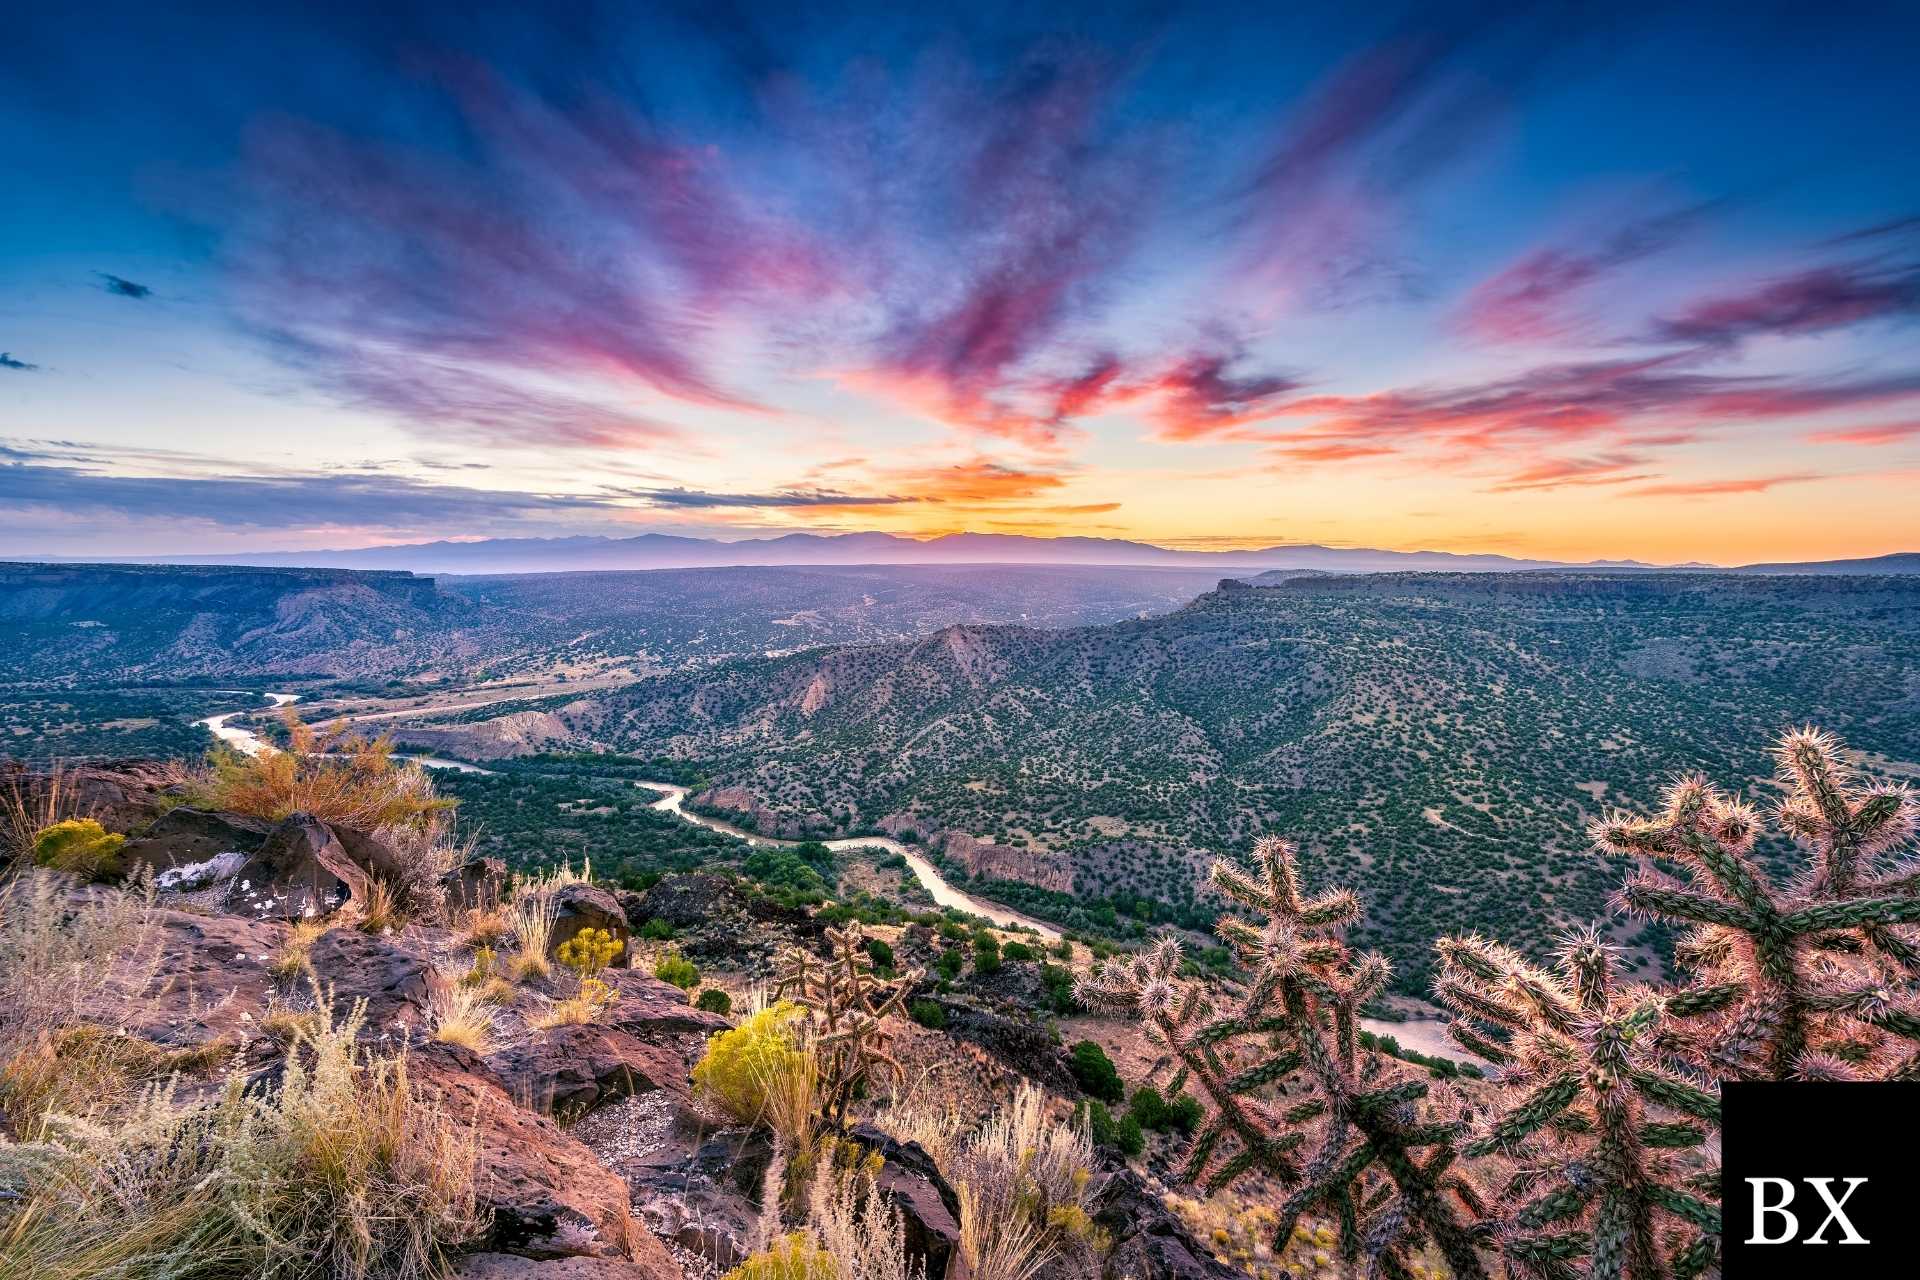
x=569, y=1070
x=1150, y=1241
x=191, y=877
x=587, y=906
x=713, y=918
x=212, y=983
x=192, y=837
x=704, y=1197
x=396, y=983
x=547, y=1195
x=123, y=795
x=1019, y=1042
x=507, y=1266
x=301, y=870
x=477, y=884
x=650, y=1009
x=929, y=1210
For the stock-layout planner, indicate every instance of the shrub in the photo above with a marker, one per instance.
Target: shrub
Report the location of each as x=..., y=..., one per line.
x=486, y=928
x=882, y=953
x=352, y=781
x=589, y=951
x=1017, y=951
x=80, y=847
x=657, y=930
x=742, y=1065
x=928, y=1013
x=1148, y=1107
x=1095, y=1073
x=714, y=1000
x=1128, y=1137
x=987, y=961
x=1011, y=1178
x=677, y=969
x=950, y=963
x=791, y=1257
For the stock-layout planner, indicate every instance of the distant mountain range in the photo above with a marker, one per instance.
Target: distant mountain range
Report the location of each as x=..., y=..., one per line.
x=665, y=551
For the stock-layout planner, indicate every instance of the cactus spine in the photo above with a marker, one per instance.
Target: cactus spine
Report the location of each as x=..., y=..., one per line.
x=1582, y=1066
x=1767, y=958
x=1305, y=993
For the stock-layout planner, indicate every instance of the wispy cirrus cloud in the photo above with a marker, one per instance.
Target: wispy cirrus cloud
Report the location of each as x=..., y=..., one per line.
x=1882, y=433
x=8, y=361
x=1815, y=301
x=1560, y=473
x=1717, y=488
x=784, y=498
x=1534, y=298
x=122, y=287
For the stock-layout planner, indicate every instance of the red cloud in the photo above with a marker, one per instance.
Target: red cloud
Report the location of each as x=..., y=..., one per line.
x=1709, y=488
x=1885, y=433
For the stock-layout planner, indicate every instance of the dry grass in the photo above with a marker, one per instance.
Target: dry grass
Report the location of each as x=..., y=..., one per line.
x=461, y=1016
x=88, y=1069
x=290, y=961
x=381, y=912
x=1022, y=1179
x=498, y=991
x=857, y=1227
x=923, y=1113
x=486, y=928
x=28, y=808
x=343, y=1173
x=578, y=1009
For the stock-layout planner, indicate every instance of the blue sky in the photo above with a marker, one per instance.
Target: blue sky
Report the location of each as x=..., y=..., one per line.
x=1548, y=279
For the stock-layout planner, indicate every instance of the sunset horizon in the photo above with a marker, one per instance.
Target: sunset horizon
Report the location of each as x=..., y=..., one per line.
x=1477, y=278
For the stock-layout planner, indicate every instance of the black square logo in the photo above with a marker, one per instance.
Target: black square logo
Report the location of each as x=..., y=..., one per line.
x=1819, y=1179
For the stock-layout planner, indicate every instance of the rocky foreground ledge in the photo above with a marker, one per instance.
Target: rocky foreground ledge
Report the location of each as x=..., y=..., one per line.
x=597, y=1160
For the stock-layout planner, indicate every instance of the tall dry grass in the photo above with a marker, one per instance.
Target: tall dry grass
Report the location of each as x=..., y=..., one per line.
x=1023, y=1180
x=342, y=1172
x=29, y=806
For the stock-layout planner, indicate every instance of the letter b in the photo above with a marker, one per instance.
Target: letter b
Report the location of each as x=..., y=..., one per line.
x=1761, y=1209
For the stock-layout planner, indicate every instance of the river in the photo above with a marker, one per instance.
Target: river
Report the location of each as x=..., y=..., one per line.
x=1423, y=1035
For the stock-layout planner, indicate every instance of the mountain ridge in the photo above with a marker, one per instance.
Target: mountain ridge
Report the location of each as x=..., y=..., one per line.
x=672, y=551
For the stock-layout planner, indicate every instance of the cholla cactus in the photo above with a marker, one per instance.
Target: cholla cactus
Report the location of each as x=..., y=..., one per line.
x=1305, y=994
x=1581, y=1058
x=1811, y=978
x=849, y=1006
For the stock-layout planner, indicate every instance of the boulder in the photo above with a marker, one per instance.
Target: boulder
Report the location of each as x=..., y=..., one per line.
x=301, y=870
x=396, y=982
x=122, y=795
x=569, y=1070
x=478, y=884
x=543, y=1190
x=657, y=1264
x=1149, y=1240
x=188, y=837
x=650, y=1010
x=928, y=1208
x=587, y=906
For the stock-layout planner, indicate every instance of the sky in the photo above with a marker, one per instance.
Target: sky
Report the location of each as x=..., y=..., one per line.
x=1558, y=280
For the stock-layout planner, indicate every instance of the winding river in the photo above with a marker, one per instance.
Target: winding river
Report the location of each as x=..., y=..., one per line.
x=1424, y=1035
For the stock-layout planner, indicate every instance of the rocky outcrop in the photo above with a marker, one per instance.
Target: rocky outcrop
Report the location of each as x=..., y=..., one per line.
x=395, y=981
x=1020, y=1043
x=300, y=871
x=588, y=906
x=547, y=1195
x=986, y=861
x=1149, y=1241
x=124, y=795
x=647, y=1008
x=478, y=884
x=928, y=1208
x=212, y=983
x=507, y=1266
x=569, y=1070
x=183, y=837
x=712, y=917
